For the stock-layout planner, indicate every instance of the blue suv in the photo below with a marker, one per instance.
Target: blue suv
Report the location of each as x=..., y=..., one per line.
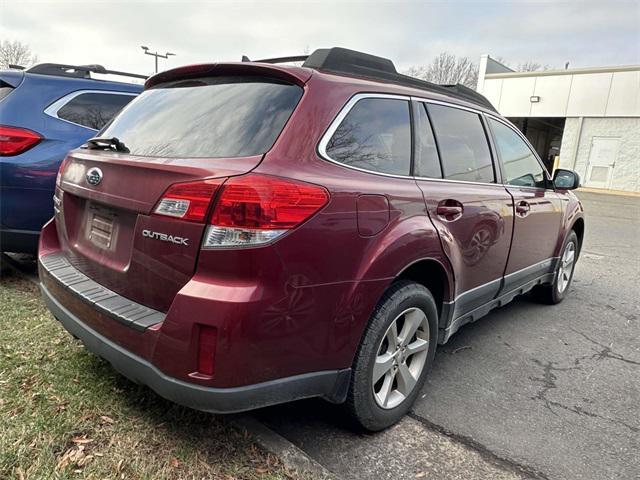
x=46, y=111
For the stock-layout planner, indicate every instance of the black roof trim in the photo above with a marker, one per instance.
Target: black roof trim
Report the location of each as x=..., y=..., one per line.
x=77, y=71
x=354, y=63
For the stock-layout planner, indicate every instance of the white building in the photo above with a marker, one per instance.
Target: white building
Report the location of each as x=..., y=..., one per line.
x=589, y=117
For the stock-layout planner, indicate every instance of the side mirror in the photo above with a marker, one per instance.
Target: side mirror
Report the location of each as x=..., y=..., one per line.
x=566, y=179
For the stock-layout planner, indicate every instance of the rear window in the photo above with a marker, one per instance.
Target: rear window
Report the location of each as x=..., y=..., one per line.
x=208, y=117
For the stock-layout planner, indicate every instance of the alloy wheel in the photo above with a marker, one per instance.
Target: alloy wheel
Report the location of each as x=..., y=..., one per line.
x=401, y=357
x=567, y=263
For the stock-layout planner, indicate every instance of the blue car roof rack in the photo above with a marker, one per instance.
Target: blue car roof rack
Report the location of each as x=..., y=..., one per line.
x=76, y=71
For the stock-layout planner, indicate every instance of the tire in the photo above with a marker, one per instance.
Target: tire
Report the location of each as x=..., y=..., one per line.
x=405, y=304
x=556, y=291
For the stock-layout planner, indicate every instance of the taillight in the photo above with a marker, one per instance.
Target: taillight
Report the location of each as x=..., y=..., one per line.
x=14, y=140
x=188, y=201
x=61, y=171
x=256, y=209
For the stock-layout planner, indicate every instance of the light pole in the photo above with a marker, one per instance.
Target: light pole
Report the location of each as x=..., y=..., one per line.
x=156, y=54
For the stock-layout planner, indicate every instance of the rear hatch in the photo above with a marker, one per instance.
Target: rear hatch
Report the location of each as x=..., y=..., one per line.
x=132, y=212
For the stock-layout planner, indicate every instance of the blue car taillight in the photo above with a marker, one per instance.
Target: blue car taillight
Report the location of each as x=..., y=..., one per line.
x=14, y=140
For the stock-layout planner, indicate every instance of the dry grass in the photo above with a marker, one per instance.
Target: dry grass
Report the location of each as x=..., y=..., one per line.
x=65, y=413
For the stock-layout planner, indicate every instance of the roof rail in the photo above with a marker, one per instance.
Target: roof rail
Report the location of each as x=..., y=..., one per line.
x=350, y=62
x=77, y=71
x=295, y=58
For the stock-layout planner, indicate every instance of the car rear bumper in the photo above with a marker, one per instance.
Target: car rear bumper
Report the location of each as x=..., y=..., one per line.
x=331, y=384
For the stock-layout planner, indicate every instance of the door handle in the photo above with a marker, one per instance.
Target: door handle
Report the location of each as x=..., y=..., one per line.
x=449, y=210
x=523, y=208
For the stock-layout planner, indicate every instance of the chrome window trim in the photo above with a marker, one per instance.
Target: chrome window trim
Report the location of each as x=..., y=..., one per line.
x=52, y=110
x=333, y=126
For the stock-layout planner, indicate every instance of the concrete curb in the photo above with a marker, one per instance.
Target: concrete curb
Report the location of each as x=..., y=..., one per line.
x=291, y=456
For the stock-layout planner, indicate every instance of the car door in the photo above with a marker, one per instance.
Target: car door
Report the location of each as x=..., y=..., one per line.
x=472, y=212
x=538, y=208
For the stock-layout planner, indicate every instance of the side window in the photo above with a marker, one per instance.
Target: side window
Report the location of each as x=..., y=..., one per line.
x=375, y=135
x=426, y=162
x=93, y=110
x=464, y=151
x=520, y=164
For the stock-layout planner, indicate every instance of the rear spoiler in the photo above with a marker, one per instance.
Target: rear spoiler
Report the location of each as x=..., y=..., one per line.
x=12, y=78
x=298, y=76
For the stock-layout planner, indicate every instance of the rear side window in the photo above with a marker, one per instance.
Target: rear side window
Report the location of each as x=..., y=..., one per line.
x=426, y=152
x=520, y=164
x=463, y=146
x=375, y=135
x=208, y=117
x=93, y=110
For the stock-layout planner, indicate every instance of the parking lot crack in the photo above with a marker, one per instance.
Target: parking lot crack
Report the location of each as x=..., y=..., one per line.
x=581, y=411
x=606, y=351
x=548, y=381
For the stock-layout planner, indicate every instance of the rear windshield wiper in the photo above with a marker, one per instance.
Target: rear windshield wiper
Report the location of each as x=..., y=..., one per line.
x=103, y=143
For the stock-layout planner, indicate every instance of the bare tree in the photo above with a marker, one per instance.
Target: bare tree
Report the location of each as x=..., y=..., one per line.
x=16, y=53
x=531, y=66
x=528, y=66
x=447, y=69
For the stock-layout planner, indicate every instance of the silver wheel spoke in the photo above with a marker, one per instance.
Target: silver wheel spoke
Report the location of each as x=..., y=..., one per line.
x=418, y=345
x=412, y=321
x=392, y=336
x=383, y=364
x=406, y=381
x=571, y=255
x=385, y=391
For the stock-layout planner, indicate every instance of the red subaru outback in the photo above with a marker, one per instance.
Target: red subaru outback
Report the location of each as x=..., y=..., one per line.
x=245, y=234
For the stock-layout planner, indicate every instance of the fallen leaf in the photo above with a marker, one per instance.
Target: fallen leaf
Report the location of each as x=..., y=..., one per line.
x=81, y=440
x=73, y=456
x=174, y=462
x=459, y=349
x=106, y=419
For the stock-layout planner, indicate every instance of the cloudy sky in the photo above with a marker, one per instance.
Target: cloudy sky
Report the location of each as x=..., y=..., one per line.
x=409, y=32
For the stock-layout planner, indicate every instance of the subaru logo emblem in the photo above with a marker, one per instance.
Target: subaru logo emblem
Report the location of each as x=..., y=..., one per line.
x=94, y=176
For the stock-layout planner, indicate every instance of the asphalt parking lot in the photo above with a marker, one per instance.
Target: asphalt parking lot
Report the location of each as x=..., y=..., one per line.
x=537, y=391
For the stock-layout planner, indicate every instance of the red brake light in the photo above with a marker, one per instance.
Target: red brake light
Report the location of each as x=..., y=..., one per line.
x=188, y=201
x=257, y=209
x=266, y=203
x=14, y=140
